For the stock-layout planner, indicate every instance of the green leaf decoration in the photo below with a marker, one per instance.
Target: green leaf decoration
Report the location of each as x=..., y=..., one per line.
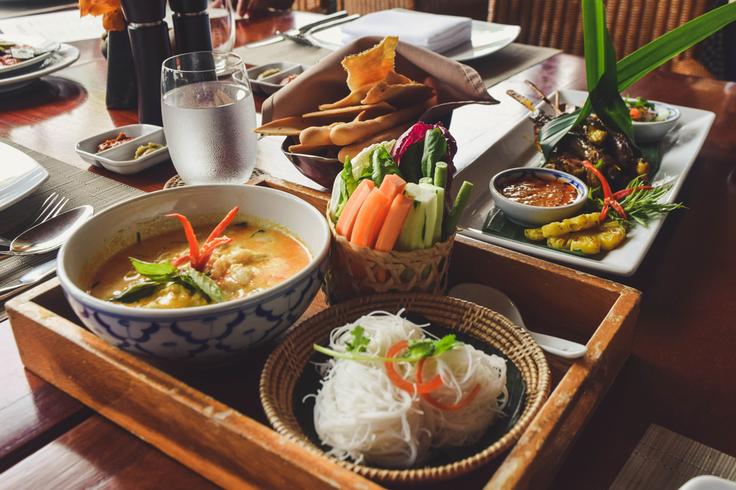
x=136, y=292
x=154, y=270
x=360, y=340
x=633, y=67
x=202, y=283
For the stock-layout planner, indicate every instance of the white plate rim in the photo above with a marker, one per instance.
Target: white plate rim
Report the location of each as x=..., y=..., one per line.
x=31, y=180
x=66, y=55
x=478, y=26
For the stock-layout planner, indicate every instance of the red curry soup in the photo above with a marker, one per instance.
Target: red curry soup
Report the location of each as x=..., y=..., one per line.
x=539, y=192
x=159, y=272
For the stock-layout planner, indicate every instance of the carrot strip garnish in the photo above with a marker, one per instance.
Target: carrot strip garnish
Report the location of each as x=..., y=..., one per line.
x=402, y=383
x=222, y=225
x=448, y=407
x=189, y=233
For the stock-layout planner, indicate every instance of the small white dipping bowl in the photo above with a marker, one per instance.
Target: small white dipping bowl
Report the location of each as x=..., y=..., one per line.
x=655, y=130
x=528, y=215
x=202, y=333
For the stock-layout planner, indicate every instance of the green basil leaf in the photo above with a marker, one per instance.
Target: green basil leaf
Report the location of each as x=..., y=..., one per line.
x=435, y=149
x=136, y=292
x=157, y=271
x=202, y=283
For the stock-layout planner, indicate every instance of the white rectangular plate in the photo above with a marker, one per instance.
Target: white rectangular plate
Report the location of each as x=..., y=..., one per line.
x=516, y=149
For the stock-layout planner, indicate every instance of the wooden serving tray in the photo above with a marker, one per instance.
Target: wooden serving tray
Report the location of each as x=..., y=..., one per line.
x=212, y=421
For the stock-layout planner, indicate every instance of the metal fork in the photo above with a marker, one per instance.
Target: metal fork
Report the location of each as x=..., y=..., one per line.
x=50, y=208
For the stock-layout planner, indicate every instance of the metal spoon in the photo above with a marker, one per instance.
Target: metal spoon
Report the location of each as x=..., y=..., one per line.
x=49, y=235
x=497, y=301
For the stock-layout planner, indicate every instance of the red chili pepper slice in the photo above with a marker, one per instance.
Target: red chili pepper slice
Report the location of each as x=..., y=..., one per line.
x=618, y=208
x=448, y=407
x=402, y=383
x=222, y=225
x=206, y=251
x=601, y=178
x=189, y=233
x=618, y=195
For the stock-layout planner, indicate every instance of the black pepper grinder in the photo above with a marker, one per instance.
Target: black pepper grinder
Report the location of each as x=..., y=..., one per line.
x=191, y=25
x=150, y=45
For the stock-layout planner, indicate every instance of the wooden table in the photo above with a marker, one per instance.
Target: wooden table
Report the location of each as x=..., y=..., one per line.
x=679, y=376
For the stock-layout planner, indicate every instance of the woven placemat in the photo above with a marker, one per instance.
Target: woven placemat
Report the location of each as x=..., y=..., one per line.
x=79, y=186
x=494, y=68
x=177, y=181
x=665, y=459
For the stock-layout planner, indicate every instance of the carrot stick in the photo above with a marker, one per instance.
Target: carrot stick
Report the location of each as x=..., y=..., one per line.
x=392, y=186
x=189, y=233
x=220, y=228
x=347, y=218
x=395, y=219
x=370, y=218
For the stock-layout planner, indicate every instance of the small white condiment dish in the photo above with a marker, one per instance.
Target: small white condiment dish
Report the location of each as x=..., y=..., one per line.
x=87, y=148
x=271, y=84
x=527, y=214
x=121, y=159
x=655, y=130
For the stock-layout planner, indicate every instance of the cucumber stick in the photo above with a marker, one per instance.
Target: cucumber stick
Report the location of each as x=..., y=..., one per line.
x=439, y=214
x=423, y=225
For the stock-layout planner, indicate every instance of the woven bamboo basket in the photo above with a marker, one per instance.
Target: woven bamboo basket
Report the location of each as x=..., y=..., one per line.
x=356, y=271
x=287, y=362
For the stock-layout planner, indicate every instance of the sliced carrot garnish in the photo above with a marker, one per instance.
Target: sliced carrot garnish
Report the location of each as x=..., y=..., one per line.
x=448, y=407
x=402, y=383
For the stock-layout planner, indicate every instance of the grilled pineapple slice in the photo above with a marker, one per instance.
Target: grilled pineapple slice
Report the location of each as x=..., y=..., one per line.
x=590, y=242
x=569, y=225
x=534, y=234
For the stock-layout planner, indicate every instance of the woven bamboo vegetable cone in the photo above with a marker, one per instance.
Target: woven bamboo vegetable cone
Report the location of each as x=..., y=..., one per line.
x=355, y=271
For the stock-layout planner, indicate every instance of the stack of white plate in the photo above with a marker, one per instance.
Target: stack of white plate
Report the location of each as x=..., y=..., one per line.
x=49, y=57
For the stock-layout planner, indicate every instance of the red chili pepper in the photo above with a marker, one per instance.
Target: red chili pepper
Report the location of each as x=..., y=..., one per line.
x=609, y=199
x=199, y=256
x=601, y=178
x=189, y=233
x=402, y=383
x=618, y=195
x=618, y=208
x=220, y=228
x=206, y=251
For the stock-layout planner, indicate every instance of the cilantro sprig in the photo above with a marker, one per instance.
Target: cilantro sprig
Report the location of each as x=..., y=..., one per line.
x=159, y=274
x=417, y=350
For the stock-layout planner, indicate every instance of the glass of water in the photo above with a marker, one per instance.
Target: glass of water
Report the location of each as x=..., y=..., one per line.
x=209, y=116
x=222, y=25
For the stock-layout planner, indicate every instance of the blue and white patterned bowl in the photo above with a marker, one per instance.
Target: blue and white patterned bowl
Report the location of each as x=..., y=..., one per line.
x=528, y=215
x=208, y=333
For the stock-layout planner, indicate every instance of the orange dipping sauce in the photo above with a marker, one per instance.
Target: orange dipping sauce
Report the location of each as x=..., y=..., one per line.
x=539, y=192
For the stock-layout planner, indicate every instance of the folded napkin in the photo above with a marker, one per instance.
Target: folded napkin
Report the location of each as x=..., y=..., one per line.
x=438, y=33
x=325, y=81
